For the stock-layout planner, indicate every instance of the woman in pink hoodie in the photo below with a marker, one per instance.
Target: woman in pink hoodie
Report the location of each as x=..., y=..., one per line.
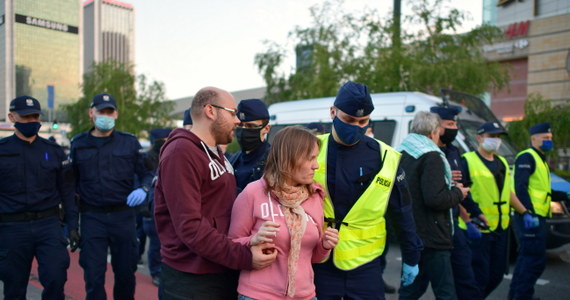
x=285, y=208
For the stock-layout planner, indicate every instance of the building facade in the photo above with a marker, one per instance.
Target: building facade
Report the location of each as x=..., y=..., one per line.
x=109, y=32
x=535, y=48
x=40, y=52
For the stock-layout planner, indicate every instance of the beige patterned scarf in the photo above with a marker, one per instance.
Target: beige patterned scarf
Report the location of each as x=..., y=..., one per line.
x=291, y=197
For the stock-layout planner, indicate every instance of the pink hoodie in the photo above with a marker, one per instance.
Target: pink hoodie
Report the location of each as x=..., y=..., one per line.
x=251, y=209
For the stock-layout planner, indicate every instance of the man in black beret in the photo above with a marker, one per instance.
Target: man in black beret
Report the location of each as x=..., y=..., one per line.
x=363, y=180
x=251, y=134
x=158, y=137
x=105, y=161
x=533, y=188
x=490, y=177
x=466, y=286
x=36, y=177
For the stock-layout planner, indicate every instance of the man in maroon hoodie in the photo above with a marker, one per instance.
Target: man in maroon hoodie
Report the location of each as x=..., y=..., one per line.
x=194, y=195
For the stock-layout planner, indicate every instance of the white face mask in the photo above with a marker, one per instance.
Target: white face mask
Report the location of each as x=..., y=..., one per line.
x=491, y=144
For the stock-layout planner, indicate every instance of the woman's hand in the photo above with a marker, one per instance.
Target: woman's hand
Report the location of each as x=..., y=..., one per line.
x=265, y=234
x=330, y=238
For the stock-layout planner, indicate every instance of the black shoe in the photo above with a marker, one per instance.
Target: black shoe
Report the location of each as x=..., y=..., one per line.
x=389, y=289
x=156, y=280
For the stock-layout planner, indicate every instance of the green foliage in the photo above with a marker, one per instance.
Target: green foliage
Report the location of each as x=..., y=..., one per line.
x=139, y=109
x=348, y=47
x=538, y=110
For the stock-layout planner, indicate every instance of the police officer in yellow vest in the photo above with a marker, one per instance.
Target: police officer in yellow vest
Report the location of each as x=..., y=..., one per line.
x=363, y=180
x=532, y=186
x=490, y=179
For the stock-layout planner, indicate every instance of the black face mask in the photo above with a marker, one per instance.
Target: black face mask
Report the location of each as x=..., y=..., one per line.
x=28, y=129
x=248, y=139
x=448, y=136
x=157, y=145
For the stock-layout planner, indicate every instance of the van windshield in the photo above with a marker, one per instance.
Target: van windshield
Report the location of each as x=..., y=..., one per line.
x=474, y=113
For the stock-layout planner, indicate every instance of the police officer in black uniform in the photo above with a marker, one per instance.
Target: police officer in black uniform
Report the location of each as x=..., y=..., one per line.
x=466, y=286
x=105, y=162
x=353, y=161
x=251, y=135
x=158, y=137
x=187, y=122
x=35, y=178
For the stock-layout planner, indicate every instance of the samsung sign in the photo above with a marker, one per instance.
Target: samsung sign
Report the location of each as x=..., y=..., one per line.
x=47, y=24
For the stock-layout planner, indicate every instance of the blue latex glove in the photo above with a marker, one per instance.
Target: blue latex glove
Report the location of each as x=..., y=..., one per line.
x=472, y=232
x=530, y=221
x=136, y=197
x=409, y=273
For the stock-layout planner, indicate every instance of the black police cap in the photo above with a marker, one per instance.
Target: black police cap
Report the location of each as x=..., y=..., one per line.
x=540, y=128
x=252, y=110
x=158, y=133
x=354, y=99
x=446, y=113
x=491, y=128
x=104, y=100
x=25, y=105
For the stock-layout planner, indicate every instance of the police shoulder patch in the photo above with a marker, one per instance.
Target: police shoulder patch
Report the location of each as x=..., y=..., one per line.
x=402, y=176
x=66, y=162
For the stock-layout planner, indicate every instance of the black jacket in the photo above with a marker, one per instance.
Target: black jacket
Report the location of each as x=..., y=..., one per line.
x=431, y=199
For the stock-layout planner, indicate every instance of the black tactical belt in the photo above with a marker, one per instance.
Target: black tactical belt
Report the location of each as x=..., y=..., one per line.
x=29, y=215
x=103, y=209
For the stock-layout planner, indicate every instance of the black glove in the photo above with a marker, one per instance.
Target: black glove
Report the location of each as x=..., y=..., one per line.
x=74, y=239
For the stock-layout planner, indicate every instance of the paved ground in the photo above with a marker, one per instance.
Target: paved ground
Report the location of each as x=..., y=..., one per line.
x=553, y=284
x=75, y=287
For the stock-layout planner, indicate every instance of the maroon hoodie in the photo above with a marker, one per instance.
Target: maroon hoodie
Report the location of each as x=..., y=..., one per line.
x=194, y=196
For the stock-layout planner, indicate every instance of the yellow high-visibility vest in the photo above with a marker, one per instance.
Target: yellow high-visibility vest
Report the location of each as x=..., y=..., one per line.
x=362, y=232
x=494, y=205
x=539, y=185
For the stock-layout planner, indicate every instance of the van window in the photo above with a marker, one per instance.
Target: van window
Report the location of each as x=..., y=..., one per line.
x=384, y=130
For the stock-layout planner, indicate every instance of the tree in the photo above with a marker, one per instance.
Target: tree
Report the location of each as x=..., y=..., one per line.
x=139, y=109
x=347, y=47
x=538, y=110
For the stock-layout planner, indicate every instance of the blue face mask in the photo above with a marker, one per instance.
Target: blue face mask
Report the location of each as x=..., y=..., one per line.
x=28, y=129
x=348, y=134
x=104, y=123
x=547, y=145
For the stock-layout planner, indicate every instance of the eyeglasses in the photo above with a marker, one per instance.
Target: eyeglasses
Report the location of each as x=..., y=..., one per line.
x=231, y=110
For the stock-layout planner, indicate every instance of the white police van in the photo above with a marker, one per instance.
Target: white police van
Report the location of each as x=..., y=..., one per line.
x=391, y=120
x=392, y=116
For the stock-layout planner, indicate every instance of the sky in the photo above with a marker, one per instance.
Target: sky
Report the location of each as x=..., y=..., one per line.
x=190, y=44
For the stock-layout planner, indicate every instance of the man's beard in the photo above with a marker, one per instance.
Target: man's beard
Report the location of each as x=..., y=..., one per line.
x=220, y=133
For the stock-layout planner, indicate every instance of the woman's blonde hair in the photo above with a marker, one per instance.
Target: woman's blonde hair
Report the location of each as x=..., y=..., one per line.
x=289, y=146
